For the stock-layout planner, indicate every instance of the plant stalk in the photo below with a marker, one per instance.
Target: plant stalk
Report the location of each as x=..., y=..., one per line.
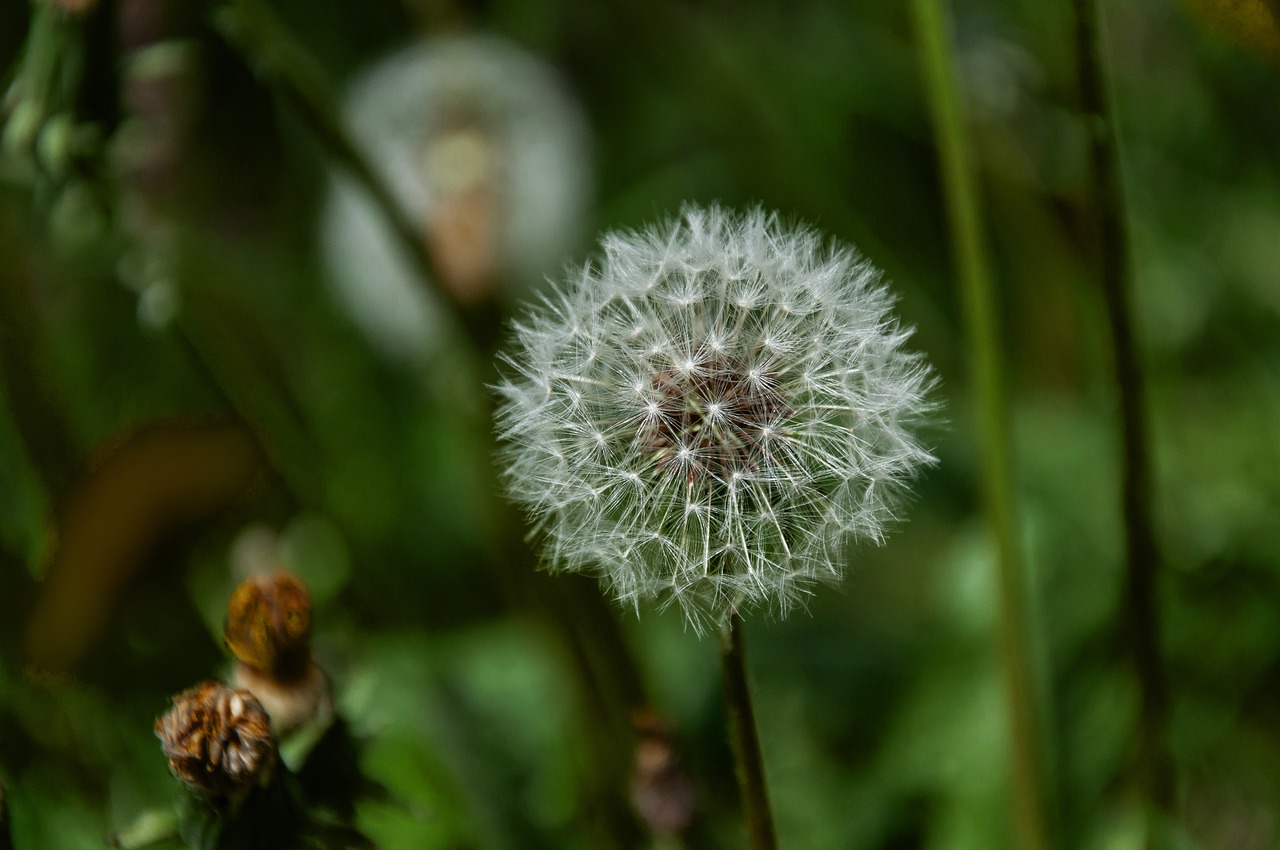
x=1142, y=557
x=748, y=763
x=982, y=334
x=574, y=607
x=253, y=29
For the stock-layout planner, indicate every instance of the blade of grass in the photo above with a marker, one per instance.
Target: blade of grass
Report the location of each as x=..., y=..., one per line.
x=982, y=335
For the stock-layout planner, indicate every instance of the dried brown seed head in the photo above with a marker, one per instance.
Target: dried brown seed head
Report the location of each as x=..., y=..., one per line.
x=218, y=740
x=268, y=626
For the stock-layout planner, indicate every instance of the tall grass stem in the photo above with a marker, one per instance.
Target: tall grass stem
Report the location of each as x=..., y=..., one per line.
x=982, y=339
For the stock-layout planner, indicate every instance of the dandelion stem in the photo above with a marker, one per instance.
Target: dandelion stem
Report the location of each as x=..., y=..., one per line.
x=1141, y=553
x=982, y=338
x=745, y=741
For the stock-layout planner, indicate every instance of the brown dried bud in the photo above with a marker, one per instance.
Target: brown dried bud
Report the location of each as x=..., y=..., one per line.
x=268, y=626
x=218, y=741
x=661, y=792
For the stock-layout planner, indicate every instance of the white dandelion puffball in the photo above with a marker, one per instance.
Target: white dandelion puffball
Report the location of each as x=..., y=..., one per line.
x=486, y=152
x=712, y=412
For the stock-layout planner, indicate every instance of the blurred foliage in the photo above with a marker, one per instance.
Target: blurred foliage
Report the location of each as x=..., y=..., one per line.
x=159, y=263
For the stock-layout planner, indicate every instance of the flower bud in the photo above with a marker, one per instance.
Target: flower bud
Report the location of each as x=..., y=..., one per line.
x=268, y=626
x=218, y=741
x=268, y=630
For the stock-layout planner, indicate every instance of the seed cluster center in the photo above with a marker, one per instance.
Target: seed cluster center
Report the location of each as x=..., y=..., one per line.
x=712, y=416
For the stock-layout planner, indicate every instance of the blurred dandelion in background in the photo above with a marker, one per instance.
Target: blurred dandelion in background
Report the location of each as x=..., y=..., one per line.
x=487, y=153
x=710, y=413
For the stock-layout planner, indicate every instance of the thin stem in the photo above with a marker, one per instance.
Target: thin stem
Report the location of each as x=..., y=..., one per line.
x=607, y=671
x=574, y=607
x=749, y=765
x=1141, y=552
x=248, y=395
x=982, y=335
x=254, y=30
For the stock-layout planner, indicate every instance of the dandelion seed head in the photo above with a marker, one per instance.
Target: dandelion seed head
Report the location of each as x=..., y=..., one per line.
x=751, y=404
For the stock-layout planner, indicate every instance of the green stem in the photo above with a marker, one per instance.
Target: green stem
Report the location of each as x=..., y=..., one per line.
x=982, y=334
x=1141, y=552
x=574, y=607
x=267, y=45
x=749, y=764
x=246, y=393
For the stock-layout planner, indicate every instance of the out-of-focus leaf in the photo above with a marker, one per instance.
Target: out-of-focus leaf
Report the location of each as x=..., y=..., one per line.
x=141, y=488
x=1252, y=24
x=314, y=549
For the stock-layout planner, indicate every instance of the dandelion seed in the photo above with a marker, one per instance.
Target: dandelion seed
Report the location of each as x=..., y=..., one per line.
x=751, y=378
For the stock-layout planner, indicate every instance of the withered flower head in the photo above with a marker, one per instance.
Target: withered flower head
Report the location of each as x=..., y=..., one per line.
x=218, y=740
x=268, y=626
